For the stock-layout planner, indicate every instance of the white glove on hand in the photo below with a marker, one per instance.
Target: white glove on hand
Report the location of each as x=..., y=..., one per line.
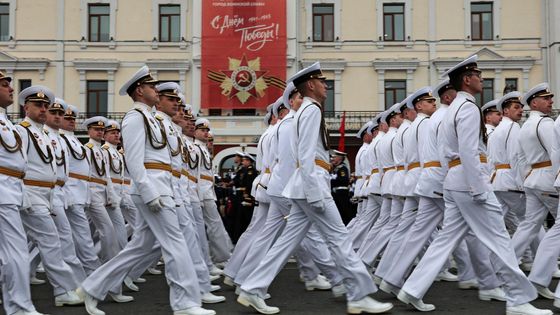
x=155, y=205
x=317, y=204
x=480, y=198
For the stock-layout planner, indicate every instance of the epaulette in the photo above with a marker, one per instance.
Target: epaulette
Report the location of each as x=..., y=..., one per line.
x=105, y=146
x=25, y=124
x=158, y=117
x=89, y=145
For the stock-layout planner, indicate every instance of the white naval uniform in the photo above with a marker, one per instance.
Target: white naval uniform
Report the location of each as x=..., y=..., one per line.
x=358, y=186
x=387, y=169
x=261, y=211
x=100, y=187
x=545, y=263
x=77, y=191
x=372, y=205
x=218, y=240
x=372, y=249
x=312, y=254
x=16, y=294
x=36, y=215
x=462, y=143
x=59, y=205
x=115, y=169
x=429, y=188
x=191, y=169
x=489, y=129
x=312, y=203
x=128, y=208
x=537, y=144
x=410, y=145
x=149, y=183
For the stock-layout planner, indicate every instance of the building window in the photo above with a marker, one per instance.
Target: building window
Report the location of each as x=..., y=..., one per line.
x=99, y=22
x=329, y=102
x=395, y=91
x=487, y=92
x=393, y=22
x=23, y=84
x=323, y=22
x=169, y=23
x=481, y=21
x=4, y=22
x=96, y=98
x=510, y=86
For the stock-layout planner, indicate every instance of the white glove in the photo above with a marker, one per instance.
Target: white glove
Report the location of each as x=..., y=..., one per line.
x=155, y=205
x=317, y=204
x=480, y=198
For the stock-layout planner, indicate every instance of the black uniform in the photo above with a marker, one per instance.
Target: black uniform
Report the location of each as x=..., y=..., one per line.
x=340, y=179
x=247, y=202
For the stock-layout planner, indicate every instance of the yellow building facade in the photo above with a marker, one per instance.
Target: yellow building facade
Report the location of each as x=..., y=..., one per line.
x=372, y=51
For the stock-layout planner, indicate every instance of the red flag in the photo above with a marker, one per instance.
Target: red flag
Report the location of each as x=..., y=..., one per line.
x=341, y=130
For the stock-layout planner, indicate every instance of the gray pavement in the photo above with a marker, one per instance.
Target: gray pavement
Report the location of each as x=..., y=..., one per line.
x=288, y=293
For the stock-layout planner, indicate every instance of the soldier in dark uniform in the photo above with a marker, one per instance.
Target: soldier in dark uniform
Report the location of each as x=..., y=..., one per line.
x=245, y=212
x=340, y=180
x=233, y=209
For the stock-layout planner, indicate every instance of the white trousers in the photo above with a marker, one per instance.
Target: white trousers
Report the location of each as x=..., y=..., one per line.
x=129, y=213
x=201, y=231
x=163, y=226
x=370, y=213
x=97, y=213
x=14, y=257
x=41, y=229
x=119, y=226
x=486, y=222
x=410, y=208
x=81, y=234
x=538, y=206
x=327, y=220
x=359, y=207
x=429, y=216
x=384, y=214
x=546, y=258
x=369, y=252
x=244, y=243
x=66, y=245
x=218, y=240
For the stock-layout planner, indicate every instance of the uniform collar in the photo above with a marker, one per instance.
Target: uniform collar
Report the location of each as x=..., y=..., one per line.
x=163, y=114
x=312, y=100
x=392, y=129
x=506, y=119
x=537, y=113
x=112, y=146
x=441, y=105
x=95, y=143
x=49, y=129
x=142, y=106
x=467, y=95
x=66, y=132
x=196, y=141
x=33, y=123
x=380, y=134
x=2, y=111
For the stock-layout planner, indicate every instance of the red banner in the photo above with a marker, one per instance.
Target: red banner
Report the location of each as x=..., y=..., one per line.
x=243, y=53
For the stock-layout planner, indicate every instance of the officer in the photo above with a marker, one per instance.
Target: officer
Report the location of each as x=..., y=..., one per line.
x=101, y=188
x=40, y=178
x=14, y=253
x=77, y=191
x=149, y=164
x=340, y=179
x=59, y=202
x=115, y=161
x=470, y=202
x=218, y=240
x=492, y=116
x=312, y=203
x=248, y=201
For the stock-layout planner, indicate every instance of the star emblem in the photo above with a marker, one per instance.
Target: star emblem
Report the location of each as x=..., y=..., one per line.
x=244, y=79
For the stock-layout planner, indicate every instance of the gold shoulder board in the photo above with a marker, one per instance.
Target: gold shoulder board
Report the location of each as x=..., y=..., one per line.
x=89, y=145
x=25, y=124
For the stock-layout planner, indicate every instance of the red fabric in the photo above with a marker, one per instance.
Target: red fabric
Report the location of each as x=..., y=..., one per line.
x=341, y=129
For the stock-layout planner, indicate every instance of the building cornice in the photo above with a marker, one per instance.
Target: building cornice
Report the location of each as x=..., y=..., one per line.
x=326, y=64
x=169, y=64
x=96, y=64
x=395, y=64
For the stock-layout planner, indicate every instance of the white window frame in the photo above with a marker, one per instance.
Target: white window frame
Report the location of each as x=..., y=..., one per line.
x=12, y=18
x=496, y=9
x=155, y=18
x=84, y=4
x=407, y=23
x=309, y=22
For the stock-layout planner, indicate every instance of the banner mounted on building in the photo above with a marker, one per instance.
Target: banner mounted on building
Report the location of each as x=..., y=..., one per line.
x=243, y=53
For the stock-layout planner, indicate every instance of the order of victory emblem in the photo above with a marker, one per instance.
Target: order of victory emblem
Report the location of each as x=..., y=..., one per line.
x=244, y=79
